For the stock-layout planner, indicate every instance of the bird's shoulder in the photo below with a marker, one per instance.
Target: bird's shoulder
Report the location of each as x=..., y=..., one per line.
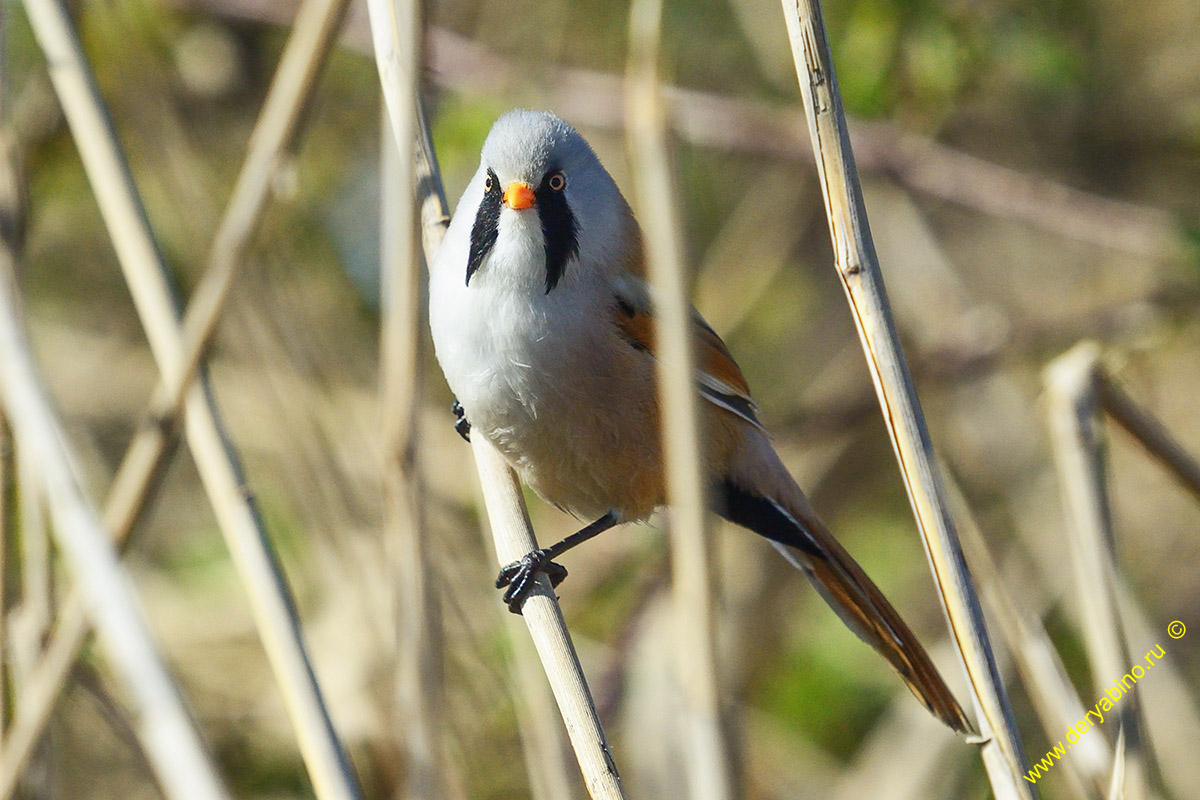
x=720, y=379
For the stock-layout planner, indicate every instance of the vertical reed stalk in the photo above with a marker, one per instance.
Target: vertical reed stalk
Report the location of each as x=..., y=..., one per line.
x=7, y=493
x=419, y=692
x=706, y=753
x=1075, y=430
x=858, y=270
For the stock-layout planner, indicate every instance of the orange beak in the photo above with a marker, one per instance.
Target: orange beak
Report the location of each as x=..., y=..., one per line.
x=518, y=195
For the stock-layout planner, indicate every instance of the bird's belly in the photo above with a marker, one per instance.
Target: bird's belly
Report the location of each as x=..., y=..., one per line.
x=585, y=441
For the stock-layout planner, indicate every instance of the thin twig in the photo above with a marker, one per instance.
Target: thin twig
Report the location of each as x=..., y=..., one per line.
x=548, y=762
x=1116, y=788
x=704, y=747
x=1149, y=431
x=709, y=120
x=266, y=586
x=164, y=728
x=1075, y=436
x=858, y=269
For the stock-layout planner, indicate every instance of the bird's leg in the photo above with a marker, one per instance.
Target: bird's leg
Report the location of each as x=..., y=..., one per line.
x=519, y=575
x=461, y=424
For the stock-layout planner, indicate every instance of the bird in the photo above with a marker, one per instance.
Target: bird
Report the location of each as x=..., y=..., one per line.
x=543, y=324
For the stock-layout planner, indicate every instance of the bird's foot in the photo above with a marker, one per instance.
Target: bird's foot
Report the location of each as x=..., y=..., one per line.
x=519, y=577
x=461, y=424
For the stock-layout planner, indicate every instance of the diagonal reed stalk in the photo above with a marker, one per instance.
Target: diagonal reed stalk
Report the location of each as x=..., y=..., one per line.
x=1148, y=431
x=858, y=269
x=312, y=37
x=1054, y=699
x=165, y=730
x=509, y=519
x=514, y=538
x=705, y=750
x=270, y=599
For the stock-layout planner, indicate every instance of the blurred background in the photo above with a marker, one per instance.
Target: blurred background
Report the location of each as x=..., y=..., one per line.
x=1032, y=175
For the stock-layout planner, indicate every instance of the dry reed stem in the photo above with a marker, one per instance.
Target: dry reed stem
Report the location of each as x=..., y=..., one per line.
x=1149, y=432
x=1116, y=788
x=145, y=459
x=858, y=269
x=1076, y=441
x=7, y=493
x=10, y=221
x=1169, y=701
x=705, y=750
x=270, y=600
x=419, y=692
x=547, y=762
x=514, y=538
x=165, y=730
x=1054, y=699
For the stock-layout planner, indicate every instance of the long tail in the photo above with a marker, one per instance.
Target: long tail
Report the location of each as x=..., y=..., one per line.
x=796, y=530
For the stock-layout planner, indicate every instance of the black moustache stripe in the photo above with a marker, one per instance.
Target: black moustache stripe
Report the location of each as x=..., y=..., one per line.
x=486, y=227
x=559, y=230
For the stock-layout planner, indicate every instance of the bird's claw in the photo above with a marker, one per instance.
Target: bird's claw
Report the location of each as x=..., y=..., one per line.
x=461, y=424
x=519, y=577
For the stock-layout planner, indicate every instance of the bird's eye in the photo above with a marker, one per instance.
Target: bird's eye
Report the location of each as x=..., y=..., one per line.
x=488, y=183
x=557, y=181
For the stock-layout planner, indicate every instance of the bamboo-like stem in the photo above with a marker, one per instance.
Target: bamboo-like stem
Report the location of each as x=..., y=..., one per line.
x=165, y=730
x=145, y=459
x=1149, y=432
x=514, y=538
x=705, y=751
x=419, y=689
x=266, y=587
x=1075, y=435
x=858, y=269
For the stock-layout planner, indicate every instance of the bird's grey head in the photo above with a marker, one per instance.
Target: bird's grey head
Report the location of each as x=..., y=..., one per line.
x=535, y=163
